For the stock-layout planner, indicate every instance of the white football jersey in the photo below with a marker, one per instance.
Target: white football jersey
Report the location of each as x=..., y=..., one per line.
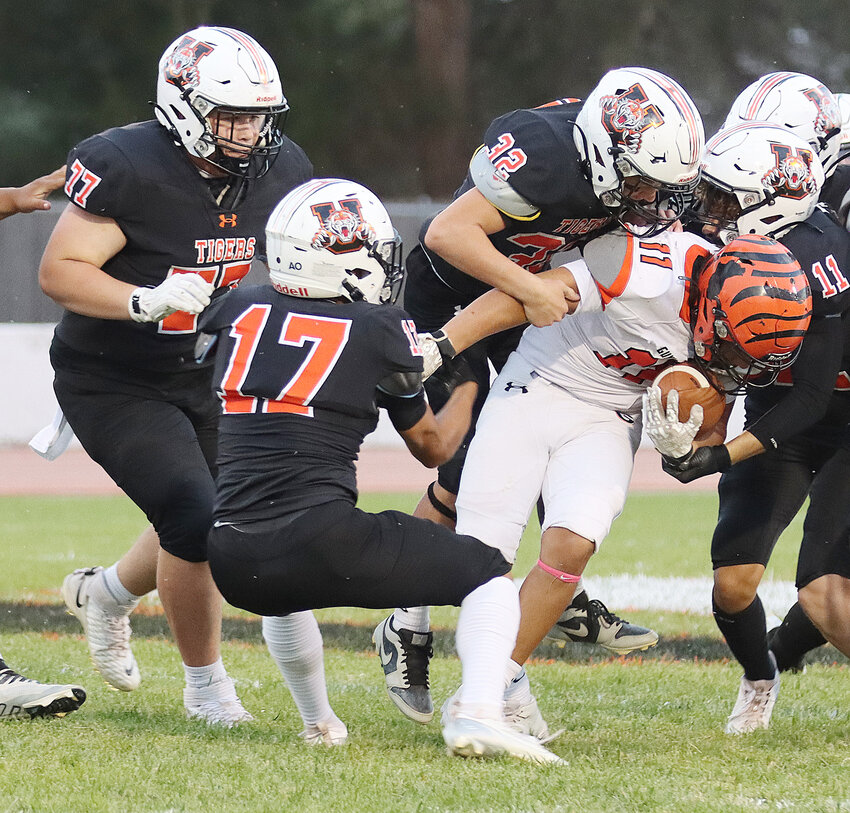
x=632, y=319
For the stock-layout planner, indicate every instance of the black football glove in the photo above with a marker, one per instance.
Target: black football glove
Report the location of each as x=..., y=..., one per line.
x=451, y=374
x=696, y=464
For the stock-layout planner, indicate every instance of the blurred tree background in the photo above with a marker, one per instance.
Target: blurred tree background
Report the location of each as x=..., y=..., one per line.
x=395, y=93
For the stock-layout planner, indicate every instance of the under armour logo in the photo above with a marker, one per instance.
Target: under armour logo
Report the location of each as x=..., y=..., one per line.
x=511, y=386
x=227, y=220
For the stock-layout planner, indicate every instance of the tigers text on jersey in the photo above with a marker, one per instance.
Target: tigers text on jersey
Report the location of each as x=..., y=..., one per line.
x=297, y=381
x=632, y=319
x=173, y=224
x=535, y=153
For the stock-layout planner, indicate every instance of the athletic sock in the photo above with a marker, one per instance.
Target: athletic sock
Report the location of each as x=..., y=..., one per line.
x=746, y=637
x=202, y=677
x=295, y=644
x=107, y=589
x=518, y=691
x=415, y=619
x=794, y=637
x=486, y=635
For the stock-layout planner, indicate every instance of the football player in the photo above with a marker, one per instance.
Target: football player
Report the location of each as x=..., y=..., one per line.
x=641, y=303
x=302, y=367
x=545, y=181
x=20, y=696
x=823, y=119
x=762, y=178
x=162, y=214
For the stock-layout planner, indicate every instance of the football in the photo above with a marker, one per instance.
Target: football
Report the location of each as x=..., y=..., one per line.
x=694, y=388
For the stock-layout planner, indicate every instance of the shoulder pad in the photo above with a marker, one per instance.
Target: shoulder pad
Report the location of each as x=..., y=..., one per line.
x=605, y=256
x=497, y=190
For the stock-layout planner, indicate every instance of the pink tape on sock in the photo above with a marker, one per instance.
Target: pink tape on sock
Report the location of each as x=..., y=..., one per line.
x=558, y=574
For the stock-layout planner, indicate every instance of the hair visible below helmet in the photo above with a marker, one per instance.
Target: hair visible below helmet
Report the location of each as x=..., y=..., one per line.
x=750, y=310
x=638, y=122
x=211, y=70
x=796, y=101
x=332, y=238
x=757, y=178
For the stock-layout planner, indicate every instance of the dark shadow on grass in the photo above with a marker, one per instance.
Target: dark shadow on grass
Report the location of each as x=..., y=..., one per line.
x=53, y=618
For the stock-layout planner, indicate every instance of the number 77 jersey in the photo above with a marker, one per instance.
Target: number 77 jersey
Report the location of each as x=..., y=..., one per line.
x=632, y=321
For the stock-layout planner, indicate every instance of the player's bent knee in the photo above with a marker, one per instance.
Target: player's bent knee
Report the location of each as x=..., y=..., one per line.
x=735, y=588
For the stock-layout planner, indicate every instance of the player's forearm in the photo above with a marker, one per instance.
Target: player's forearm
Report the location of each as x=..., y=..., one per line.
x=85, y=289
x=436, y=437
x=490, y=313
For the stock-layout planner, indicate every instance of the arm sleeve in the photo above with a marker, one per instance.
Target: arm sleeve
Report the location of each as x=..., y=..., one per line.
x=814, y=373
x=404, y=412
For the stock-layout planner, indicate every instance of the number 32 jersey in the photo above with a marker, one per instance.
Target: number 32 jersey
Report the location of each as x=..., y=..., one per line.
x=297, y=380
x=633, y=319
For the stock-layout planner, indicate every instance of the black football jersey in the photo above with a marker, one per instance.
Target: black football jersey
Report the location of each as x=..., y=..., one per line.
x=138, y=177
x=836, y=193
x=822, y=247
x=297, y=381
x=537, y=151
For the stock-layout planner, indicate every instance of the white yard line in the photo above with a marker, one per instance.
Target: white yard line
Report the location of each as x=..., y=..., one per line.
x=637, y=592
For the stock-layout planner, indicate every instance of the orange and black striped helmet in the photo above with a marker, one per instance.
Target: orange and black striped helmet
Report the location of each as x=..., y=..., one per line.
x=753, y=306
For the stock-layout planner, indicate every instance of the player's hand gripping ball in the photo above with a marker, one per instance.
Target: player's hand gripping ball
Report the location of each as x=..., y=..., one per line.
x=693, y=387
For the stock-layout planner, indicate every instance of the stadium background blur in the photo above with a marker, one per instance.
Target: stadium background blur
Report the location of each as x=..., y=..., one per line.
x=392, y=93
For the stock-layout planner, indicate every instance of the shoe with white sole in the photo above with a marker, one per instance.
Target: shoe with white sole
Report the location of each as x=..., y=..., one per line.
x=21, y=697
x=404, y=657
x=108, y=635
x=524, y=718
x=466, y=737
x=216, y=704
x=754, y=706
x=589, y=621
x=329, y=732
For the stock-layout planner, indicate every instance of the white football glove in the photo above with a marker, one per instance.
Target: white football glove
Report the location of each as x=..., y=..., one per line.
x=435, y=347
x=180, y=292
x=669, y=435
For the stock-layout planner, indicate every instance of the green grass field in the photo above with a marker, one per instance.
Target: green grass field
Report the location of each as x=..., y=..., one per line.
x=642, y=733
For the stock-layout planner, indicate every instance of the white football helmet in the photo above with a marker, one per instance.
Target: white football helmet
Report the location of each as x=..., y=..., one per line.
x=333, y=238
x=211, y=70
x=798, y=102
x=640, y=123
x=757, y=178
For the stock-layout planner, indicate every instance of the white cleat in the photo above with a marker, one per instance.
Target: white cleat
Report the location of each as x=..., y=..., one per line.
x=108, y=635
x=216, y=704
x=756, y=699
x=524, y=718
x=329, y=732
x=21, y=697
x=527, y=719
x=466, y=737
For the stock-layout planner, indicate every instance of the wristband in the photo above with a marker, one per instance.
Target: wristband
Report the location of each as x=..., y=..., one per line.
x=444, y=345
